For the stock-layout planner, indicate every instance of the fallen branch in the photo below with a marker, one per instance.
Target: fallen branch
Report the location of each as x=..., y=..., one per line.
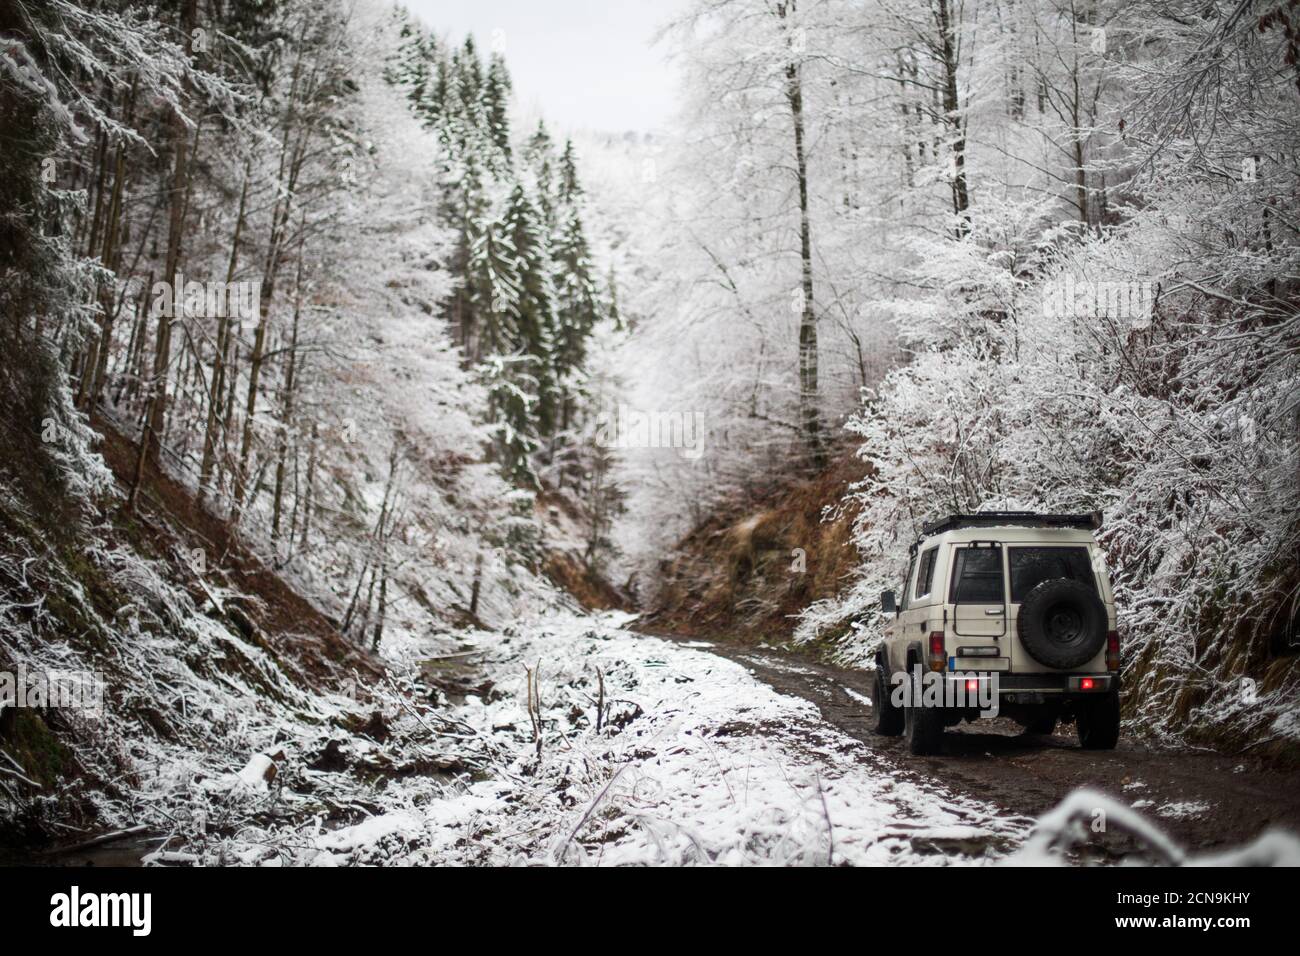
x=100, y=840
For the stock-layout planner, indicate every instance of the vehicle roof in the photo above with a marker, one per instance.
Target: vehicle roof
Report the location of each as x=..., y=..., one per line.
x=1010, y=534
x=997, y=519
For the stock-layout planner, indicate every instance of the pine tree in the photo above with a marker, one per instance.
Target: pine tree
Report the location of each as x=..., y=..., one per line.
x=471, y=71
x=539, y=153
x=496, y=104
x=419, y=67
x=440, y=91
x=467, y=127
x=570, y=190
x=494, y=294
x=577, y=306
x=535, y=322
x=493, y=282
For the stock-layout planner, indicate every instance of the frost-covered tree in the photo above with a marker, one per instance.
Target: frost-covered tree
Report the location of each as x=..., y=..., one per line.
x=535, y=319
x=524, y=245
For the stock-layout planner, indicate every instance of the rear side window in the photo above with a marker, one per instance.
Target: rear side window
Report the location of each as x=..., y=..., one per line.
x=911, y=566
x=1030, y=567
x=977, y=576
x=925, y=576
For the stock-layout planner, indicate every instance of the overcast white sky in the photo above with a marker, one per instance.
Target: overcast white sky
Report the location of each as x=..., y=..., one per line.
x=583, y=64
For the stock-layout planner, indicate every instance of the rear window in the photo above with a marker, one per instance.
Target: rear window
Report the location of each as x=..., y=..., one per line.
x=977, y=576
x=1030, y=567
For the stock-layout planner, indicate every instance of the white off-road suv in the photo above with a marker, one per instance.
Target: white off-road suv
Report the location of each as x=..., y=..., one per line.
x=1002, y=612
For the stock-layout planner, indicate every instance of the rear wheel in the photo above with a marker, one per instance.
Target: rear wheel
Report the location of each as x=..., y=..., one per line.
x=887, y=719
x=1043, y=724
x=923, y=727
x=1098, y=722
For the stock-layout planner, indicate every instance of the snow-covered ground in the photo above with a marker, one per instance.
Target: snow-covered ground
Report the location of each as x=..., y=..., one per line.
x=693, y=760
x=696, y=761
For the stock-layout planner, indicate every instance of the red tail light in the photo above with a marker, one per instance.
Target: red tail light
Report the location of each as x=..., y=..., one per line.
x=1112, y=651
x=1086, y=684
x=938, y=655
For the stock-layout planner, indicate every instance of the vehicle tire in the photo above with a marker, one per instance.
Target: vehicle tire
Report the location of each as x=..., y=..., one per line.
x=1098, y=722
x=1062, y=623
x=887, y=720
x=1043, y=724
x=924, y=729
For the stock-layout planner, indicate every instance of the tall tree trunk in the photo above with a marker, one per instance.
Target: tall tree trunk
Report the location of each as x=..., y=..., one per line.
x=383, y=601
x=175, y=231
x=477, y=587
x=952, y=113
x=809, y=411
x=1080, y=170
x=309, y=490
x=286, y=180
x=224, y=334
x=286, y=423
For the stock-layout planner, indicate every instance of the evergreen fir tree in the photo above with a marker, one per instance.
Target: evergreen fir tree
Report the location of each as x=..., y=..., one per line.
x=494, y=294
x=535, y=321
x=440, y=91
x=569, y=189
x=471, y=70
x=577, y=306
x=496, y=104
x=539, y=153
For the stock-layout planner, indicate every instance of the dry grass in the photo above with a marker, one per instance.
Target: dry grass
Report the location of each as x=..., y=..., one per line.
x=741, y=575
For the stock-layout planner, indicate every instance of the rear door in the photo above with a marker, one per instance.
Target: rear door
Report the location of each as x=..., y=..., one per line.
x=1030, y=565
x=977, y=591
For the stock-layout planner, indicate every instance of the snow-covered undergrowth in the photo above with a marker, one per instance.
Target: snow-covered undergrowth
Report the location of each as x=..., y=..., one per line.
x=694, y=762
x=187, y=693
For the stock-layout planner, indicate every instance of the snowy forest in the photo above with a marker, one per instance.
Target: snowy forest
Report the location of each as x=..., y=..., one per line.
x=414, y=479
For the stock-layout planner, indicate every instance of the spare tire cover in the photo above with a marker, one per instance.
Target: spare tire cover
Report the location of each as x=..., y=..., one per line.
x=1062, y=623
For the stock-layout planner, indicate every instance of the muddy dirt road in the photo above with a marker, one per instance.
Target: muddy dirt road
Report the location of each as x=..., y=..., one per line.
x=1204, y=800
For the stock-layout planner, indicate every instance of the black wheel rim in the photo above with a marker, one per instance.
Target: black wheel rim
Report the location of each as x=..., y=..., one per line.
x=1064, y=625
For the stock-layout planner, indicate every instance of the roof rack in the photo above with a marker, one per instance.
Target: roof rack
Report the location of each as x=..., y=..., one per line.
x=993, y=519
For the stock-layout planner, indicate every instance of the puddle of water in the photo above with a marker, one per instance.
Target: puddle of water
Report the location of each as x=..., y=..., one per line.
x=127, y=852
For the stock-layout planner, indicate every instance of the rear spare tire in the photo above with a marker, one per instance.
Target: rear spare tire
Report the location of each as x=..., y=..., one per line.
x=1062, y=623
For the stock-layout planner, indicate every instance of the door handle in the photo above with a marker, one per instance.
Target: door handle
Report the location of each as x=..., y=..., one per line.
x=993, y=611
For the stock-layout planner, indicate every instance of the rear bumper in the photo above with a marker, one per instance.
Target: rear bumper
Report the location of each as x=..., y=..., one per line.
x=1034, y=687
x=1029, y=688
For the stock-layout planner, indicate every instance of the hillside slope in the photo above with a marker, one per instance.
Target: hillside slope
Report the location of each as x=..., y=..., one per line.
x=753, y=566
x=217, y=676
